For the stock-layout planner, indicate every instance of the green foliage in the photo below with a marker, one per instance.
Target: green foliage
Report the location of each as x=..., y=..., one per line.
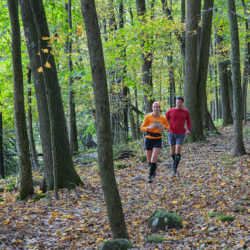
x=37, y=197
x=10, y=187
x=218, y=123
x=143, y=158
x=119, y=166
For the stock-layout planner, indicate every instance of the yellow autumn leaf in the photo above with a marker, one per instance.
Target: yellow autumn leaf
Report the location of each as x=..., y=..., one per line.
x=40, y=69
x=38, y=53
x=45, y=38
x=174, y=202
x=79, y=31
x=45, y=50
x=54, y=214
x=47, y=65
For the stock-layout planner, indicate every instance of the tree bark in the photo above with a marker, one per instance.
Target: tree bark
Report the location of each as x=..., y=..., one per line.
x=238, y=148
x=31, y=37
x=26, y=184
x=104, y=136
x=72, y=113
x=190, y=80
x=34, y=159
x=203, y=60
x=147, y=58
x=246, y=74
x=2, y=174
x=224, y=84
x=61, y=153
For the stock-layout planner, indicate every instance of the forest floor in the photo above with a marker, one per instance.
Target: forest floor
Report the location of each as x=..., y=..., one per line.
x=210, y=180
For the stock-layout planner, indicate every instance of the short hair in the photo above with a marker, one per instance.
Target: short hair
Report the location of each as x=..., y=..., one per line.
x=180, y=98
x=156, y=103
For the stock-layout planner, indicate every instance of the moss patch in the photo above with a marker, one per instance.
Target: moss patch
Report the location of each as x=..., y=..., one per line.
x=155, y=239
x=121, y=244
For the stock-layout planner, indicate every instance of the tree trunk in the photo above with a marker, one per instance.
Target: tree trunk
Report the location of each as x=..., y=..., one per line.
x=26, y=184
x=2, y=175
x=34, y=159
x=104, y=137
x=72, y=113
x=224, y=84
x=61, y=153
x=147, y=58
x=203, y=60
x=183, y=20
x=132, y=124
x=239, y=148
x=246, y=69
x=190, y=80
x=122, y=78
x=31, y=37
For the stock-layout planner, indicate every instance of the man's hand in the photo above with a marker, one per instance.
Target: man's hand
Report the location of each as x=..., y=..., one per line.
x=188, y=132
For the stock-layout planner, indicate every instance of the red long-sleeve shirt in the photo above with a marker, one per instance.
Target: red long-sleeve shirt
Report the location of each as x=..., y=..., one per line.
x=178, y=118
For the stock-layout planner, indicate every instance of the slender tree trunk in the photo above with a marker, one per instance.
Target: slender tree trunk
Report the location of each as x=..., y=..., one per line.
x=132, y=124
x=147, y=58
x=171, y=74
x=246, y=69
x=26, y=184
x=104, y=137
x=190, y=80
x=239, y=148
x=2, y=174
x=62, y=158
x=72, y=113
x=224, y=84
x=31, y=37
x=183, y=20
x=123, y=72
x=34, y=159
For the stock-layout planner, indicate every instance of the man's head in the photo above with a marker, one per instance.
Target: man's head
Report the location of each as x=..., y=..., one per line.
x=179, y=102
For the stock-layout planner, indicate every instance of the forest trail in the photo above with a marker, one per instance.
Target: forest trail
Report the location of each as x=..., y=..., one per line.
x=210, y=180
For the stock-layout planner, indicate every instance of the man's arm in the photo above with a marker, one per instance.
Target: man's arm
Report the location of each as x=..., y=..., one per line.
x=188, y=123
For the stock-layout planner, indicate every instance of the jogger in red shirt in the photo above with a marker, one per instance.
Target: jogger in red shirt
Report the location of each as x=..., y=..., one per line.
x=177, y=117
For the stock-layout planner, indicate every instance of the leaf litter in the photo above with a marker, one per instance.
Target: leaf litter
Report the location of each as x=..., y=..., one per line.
x=210, y=181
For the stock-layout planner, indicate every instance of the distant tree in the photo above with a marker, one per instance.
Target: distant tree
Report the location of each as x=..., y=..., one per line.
x=72, y=113
x=223, y=66
x=104, y=136
x=2, y=175
x=238, y=148
x=147, y=58
x=34, y=159
x=26, y=184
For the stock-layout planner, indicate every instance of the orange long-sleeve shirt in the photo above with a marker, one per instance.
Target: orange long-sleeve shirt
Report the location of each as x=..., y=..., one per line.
x=149, y=119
